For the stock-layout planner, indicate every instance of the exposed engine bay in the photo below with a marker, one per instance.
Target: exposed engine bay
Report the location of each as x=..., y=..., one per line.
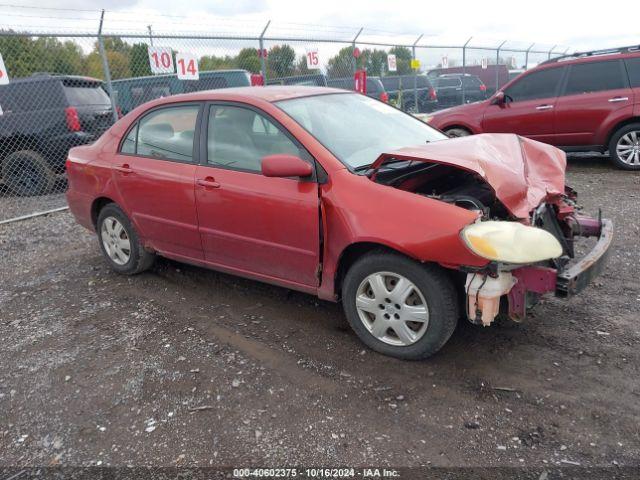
x=445, y=183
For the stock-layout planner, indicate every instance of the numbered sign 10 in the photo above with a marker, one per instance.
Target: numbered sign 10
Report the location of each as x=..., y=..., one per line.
x=313, y=60
x=187, y=66
x=161, y=60
x=4, y=76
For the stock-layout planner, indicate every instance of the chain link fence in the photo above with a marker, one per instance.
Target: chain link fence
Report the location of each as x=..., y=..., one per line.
x=66, y=89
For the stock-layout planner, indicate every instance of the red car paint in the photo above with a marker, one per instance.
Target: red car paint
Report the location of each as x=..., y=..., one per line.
x=290, y=232
x=573, y=122
x=523, y=173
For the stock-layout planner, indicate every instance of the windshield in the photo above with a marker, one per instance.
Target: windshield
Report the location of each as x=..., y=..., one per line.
x=87, y=94
x=356, y=128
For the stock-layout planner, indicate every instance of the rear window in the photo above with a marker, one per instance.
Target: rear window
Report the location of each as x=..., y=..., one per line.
x=85, y=93
x=472, y=82
x=633, y=68
x=210, y=83
x=595, y=77
x=448, y=82
x=374, y=86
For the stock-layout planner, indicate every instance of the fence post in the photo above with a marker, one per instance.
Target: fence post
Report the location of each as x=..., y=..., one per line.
x=354, y=60
x=526, y=57
x=150, y=35
x=464, y=67
x=107, y=73
x=415, y=74
x=263, y=60
x=550, y=52
x=497, y=63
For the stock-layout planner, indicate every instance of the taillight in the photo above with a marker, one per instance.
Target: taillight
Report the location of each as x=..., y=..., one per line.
x=384, y=96
x=73, y=120
x=119, y=112
x=483, y=88
x=432, y=94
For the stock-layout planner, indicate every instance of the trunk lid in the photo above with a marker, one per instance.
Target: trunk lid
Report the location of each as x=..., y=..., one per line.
x=523, y=173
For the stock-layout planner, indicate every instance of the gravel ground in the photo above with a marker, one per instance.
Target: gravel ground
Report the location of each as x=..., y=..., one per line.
x=184, y=366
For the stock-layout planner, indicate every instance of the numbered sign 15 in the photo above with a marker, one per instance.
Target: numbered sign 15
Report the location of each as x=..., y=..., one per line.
x=161, y=60
x=4, y=76
x=313, y=60
x=187, y=66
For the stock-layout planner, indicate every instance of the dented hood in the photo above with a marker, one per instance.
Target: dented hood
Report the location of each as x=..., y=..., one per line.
x=522, y=172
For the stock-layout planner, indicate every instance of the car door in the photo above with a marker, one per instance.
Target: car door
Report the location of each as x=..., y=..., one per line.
x=154, y=172
x=255, y=225
x=595, y=94
x=633, y=69
x=529, y=106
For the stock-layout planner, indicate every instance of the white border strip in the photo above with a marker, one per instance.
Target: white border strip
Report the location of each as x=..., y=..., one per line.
x=32, y=215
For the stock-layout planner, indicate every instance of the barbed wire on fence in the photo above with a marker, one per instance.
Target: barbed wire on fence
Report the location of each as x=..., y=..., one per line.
x=67, y=84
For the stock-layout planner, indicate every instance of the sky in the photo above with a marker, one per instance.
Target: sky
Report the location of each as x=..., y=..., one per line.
x=569, y=25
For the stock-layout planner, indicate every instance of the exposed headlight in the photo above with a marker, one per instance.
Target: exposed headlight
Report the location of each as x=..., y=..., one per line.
x=511, y=242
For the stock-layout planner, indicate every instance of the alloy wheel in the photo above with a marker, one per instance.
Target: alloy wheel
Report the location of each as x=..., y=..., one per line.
x=115, y=241
x=392, y=308
x=628, y=148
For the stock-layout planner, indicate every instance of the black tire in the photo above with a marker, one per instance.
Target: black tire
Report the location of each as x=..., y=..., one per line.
x=26, y=173
x=457, y=132
x=613, y=151
x=139, y=259
x=435, y=286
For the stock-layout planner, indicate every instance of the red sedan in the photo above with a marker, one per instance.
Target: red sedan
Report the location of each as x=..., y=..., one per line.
x=341, y=196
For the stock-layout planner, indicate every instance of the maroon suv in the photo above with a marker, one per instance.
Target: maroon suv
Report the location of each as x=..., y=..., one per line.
x=581, y=102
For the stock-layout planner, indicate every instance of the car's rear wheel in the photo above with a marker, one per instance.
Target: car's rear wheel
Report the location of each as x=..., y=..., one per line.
x=120, y=242
x=457, y=132
x=624, y=147
x=399, y=307
x=26, y=173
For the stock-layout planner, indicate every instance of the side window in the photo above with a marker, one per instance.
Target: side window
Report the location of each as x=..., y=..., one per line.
x=167, y=133
x=594, y=77
x=541, y=84
x=633, y=67
x=129, y=143
x=238, y=138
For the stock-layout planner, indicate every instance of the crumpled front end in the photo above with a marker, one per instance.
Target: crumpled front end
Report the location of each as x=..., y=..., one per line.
x=527, y=224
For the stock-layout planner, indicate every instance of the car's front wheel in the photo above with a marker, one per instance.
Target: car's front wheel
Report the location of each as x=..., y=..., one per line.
x=624, y=147
x=120, y=243
x=457, y=132
x=399, y=307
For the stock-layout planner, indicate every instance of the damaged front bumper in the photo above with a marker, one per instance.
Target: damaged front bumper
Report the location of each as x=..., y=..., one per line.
x=522, y=286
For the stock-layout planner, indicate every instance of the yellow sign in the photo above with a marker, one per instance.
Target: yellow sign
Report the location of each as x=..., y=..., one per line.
x=415, y=63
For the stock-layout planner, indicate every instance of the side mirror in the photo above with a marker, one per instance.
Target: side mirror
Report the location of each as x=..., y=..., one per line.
x=499, y=99
x=283, y=165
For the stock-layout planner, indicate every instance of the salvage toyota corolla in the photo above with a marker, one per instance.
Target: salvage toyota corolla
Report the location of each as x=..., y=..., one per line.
x=344, y=197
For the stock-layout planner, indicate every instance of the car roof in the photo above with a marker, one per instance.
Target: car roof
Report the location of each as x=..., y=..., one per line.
x=47, y=77
x=270, y=93
x=588, y=57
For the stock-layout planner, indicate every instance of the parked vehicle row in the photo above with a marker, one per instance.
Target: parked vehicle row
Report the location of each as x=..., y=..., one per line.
x=581, y=102
x=341, y=196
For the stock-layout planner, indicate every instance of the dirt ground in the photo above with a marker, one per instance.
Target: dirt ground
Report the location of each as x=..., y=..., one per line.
x=184, y=366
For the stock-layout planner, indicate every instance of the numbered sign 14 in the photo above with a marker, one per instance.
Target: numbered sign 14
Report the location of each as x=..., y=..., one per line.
x=161, y=60
x=187, y=66
x=4, y=76
x=313, y=60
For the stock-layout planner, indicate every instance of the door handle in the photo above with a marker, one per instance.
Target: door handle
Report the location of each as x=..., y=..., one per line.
x=124, y=168
x=207, y=182
x=618, y=99
x=544, y=107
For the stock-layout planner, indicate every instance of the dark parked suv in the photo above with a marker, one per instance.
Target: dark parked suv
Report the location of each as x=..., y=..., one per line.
x=43, y=117
x=582, y=102
x=375, y=89
x=404, y=89
x=449, y=89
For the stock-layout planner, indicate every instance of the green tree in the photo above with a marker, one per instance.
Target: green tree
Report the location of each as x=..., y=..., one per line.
x=281, y=61
x=139, y=60
x=301, y=66
x=213, y=62
x=374, y=61
x=248, y=59
x=341, y=64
